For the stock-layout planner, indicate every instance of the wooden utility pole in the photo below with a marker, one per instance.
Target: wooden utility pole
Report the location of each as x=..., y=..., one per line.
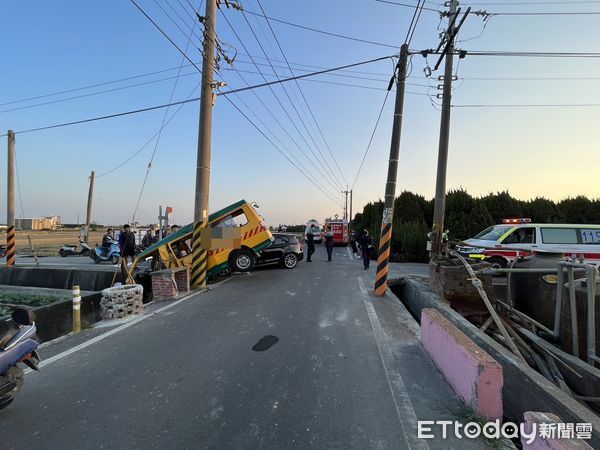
x=10, y=202
x=200, y=255
x=88, y=217
x=385, y=239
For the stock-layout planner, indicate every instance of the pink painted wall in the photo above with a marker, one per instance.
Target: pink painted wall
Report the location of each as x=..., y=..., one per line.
x=473, y=374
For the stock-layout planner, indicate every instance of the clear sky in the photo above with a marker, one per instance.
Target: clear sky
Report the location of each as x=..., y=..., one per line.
x=56, y=46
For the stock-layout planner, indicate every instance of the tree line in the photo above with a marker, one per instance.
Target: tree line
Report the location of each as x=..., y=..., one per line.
x=466, y=216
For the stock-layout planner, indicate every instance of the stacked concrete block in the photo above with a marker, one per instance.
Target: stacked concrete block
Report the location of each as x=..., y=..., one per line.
x=450, y=279
x=182, y=279
x=121, y=302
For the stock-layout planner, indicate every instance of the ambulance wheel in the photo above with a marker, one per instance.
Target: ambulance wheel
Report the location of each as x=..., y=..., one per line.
x=242, y=260
x=497, y=262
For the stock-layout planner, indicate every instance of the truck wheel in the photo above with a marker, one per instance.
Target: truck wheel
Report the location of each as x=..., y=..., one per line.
x=242, y=260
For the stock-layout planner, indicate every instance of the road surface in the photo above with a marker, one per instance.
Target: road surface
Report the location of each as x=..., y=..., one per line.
x=303, y=358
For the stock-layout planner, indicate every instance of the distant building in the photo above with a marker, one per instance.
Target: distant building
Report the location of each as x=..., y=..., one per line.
x=38, y=223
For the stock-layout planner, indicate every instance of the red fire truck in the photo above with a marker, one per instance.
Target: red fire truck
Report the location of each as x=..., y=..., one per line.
x=340, y=230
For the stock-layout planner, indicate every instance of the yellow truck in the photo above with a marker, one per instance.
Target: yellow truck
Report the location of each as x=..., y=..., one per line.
x=240, y=219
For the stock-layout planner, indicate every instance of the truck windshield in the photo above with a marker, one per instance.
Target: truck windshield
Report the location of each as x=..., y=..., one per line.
x=493, y=233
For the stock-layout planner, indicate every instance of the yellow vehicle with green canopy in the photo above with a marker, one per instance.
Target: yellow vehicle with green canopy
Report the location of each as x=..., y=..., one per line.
x=237, y=235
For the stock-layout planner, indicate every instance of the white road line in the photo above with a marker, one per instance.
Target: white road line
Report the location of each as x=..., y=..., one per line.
x=350, y=255
x=110, y=333
x=404, y=407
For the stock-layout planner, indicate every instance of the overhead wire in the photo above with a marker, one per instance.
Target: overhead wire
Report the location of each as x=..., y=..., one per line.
x=262, y=102
x=302, y=94
x=292, y=103
x=162, y=125
x=189, y=100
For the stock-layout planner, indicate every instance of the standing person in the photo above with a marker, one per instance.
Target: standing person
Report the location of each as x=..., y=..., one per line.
x=366, y=242
x=310, y=242
x=156, y=236
x=353, y=243
x=128, y=248
x=148, y=238
x=329, y=242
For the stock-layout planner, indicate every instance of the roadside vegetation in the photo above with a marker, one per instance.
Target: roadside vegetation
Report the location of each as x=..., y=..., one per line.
x=465, y=217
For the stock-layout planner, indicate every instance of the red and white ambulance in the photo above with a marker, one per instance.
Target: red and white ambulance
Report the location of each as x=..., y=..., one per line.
x=501, y=244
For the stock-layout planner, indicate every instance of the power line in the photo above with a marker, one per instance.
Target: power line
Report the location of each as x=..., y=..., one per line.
x=371, y=138
x=533, y=105
x=165, y=34
x=265, y=106
x=189, y=100
x=162, y=125
x=408, y=6
x=331, y=172
x=173, y=20
x=304, y=27
x=302, y=94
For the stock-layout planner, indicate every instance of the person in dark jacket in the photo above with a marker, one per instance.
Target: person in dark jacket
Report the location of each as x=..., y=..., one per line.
x=365, y=243
x=329, y=242
x=310, y=242
x=128, y=246
x=353, y=243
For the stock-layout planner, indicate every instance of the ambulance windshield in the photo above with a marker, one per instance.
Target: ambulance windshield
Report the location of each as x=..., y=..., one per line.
x=493, y=233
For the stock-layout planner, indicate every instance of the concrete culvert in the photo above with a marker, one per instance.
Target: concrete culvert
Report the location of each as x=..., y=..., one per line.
x=121, y=302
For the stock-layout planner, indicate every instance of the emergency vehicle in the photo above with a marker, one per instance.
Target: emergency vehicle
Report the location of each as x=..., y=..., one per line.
x=501, y=244
x=340, y=230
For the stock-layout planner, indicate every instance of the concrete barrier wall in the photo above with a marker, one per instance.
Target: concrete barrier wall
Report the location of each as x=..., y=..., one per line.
x=473, y=374
x=524, y=389
x=58, y=278
x=534, y=419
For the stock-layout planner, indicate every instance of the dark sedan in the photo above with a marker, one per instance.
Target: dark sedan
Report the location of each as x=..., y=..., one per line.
x=285, y=250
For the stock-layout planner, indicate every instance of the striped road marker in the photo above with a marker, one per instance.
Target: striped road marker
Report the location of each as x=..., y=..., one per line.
x=199, y=258
x=382, y=260
x=10, y=246
x=76, y=309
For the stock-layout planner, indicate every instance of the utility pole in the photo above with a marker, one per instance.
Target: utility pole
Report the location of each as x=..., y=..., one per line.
x=88, y=217
x=440, y=183
x=10, y=202
x=200, y=254
x=350, y=218
x=390, y=186
x=346, y=192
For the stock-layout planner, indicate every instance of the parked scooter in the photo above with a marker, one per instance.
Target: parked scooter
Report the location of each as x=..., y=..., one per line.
x=17, y=344
x=112, y=253
x=71, y=250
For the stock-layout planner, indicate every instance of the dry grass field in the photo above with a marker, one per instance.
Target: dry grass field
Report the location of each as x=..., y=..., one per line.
x=47, y=243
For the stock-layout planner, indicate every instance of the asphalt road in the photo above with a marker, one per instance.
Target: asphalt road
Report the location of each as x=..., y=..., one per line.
x=303, y=358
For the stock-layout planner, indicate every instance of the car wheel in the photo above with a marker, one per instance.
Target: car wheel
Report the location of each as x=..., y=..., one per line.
x=290, y=261
x=242, y=260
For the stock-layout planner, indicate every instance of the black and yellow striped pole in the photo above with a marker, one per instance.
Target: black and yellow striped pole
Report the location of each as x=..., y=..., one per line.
x=10, y=202
x=200, y=254
x=385, y=239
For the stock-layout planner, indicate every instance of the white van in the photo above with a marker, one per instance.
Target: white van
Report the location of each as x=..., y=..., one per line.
x=500, y=244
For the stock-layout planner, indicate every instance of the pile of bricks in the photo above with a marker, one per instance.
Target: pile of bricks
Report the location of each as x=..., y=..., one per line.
x=121, y=302
x=169, y=284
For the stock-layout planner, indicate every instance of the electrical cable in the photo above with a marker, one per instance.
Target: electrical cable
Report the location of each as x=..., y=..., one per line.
x=407, y=5
x=165, y=34
x=173, y=20
x=302, y=94
x=283, y=87
x=351, y=38
x=371, y=138
x=162, y=125
x=317, y=167
x=533, y=105
x=189, y=100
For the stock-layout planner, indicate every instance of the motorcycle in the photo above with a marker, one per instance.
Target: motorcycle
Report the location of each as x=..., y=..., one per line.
x=18, y=344
x=71, y=250
x=102, y=254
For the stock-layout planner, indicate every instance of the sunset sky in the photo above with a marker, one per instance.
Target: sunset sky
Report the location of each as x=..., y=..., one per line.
x=549, y=151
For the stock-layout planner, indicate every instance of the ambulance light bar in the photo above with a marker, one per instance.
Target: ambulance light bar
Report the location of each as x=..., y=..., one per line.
x=516, y=220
